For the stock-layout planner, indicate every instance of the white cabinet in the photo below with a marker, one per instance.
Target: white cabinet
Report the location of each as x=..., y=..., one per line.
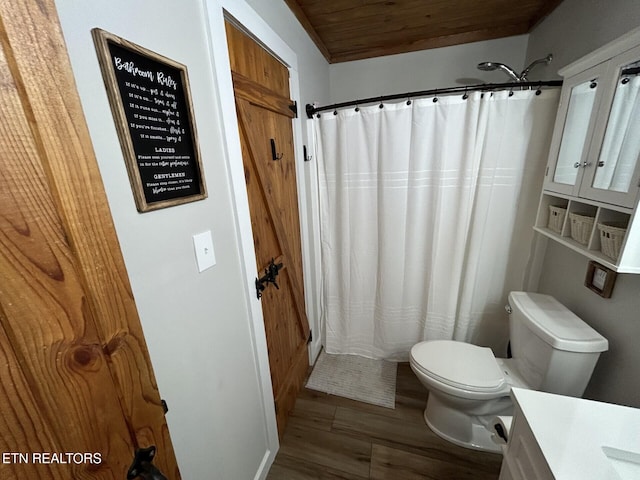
x=523, y=459
x=592, y=181
x=567, y=438
x=595, y=148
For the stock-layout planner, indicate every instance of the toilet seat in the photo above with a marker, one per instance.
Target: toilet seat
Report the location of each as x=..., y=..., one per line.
x=459, y=365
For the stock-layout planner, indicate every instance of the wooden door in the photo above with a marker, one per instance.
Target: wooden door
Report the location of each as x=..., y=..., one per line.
x=261, y=85
x=77, y=391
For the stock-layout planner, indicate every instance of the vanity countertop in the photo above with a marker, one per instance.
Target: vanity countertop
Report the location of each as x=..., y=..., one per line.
x=572, y=432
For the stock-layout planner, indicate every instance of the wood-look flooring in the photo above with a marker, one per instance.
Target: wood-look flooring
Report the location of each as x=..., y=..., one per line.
x=330, y=437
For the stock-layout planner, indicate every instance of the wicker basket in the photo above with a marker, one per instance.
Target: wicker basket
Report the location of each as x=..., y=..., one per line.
x=556, y=218
x=581, y=227
x=611, y=237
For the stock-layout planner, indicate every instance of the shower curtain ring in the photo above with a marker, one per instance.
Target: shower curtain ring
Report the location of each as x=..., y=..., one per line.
x=408, y=100
x=435, y=98
x=539, y=90
x=465, y=95
x=357, y=109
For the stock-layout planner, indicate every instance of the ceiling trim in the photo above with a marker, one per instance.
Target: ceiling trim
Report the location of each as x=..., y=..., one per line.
x=306, y=24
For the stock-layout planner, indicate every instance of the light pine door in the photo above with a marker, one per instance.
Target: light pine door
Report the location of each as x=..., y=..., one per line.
x=75, y=374
x=261, y=85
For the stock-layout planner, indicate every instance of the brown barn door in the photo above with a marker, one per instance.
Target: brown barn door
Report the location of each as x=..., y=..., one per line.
x=261, y=85
x=77, y=392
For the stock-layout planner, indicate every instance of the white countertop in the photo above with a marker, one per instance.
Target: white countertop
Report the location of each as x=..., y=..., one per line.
x=572, y=431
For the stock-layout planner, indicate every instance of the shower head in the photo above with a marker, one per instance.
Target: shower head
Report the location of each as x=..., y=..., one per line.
x=490, y=66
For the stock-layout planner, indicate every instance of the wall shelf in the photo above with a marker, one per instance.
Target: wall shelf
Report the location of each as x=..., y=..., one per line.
x=628, y=260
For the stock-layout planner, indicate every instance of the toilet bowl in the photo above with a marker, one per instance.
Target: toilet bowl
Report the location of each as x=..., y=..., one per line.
x=468, y=386
x=553, y=350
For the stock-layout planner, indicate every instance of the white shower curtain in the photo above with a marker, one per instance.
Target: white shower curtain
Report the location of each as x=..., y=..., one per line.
x=426, y=213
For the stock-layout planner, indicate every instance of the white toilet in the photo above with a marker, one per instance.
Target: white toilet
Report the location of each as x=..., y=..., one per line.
x=553, y=351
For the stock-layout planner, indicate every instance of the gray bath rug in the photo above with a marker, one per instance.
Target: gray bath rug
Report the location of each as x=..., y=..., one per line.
x=354, y=377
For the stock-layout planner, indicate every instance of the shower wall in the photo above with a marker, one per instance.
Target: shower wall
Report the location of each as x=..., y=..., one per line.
x=577, y=27
x=426, y=69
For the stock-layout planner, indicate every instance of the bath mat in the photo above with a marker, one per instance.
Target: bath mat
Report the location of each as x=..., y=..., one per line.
x=355, y=377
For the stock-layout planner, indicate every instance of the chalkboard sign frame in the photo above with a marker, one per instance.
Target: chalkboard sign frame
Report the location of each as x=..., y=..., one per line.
x=145, y=200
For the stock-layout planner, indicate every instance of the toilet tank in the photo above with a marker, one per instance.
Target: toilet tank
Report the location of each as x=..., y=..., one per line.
x=552, y=348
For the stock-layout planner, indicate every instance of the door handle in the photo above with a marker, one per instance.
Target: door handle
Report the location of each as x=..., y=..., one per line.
x=142, y=467
x=270, y=274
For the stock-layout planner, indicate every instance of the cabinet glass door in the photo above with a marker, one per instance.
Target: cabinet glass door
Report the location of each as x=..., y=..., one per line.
x=570, y=143
x=621, y=145
x=615, y=173
x=574, y=137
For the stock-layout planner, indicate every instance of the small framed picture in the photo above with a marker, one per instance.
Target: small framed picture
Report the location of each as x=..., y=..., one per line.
x=600, y=279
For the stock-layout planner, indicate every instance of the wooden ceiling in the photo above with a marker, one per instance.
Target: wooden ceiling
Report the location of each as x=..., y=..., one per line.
x=347, y=30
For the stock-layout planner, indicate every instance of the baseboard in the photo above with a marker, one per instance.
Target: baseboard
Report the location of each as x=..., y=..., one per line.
x=265, y=465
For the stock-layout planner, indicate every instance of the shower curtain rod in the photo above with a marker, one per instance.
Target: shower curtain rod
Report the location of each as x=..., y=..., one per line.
x=485, y=87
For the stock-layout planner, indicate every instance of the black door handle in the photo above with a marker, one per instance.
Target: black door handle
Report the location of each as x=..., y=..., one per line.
x=142, y=467
x=270, y=274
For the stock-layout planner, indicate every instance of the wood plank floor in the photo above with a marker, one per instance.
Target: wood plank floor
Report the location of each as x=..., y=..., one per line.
x=331, y=437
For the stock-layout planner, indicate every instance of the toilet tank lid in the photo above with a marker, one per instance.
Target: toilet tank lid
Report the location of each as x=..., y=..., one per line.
x=556, y=324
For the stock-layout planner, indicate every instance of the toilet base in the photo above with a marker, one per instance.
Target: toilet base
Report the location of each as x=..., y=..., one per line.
x=457, y=427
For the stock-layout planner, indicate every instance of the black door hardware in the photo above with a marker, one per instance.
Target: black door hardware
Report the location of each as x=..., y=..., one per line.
x=275, y=155
x=307, y=158
x=294, y=108
x=270, y=274
x=142, y=467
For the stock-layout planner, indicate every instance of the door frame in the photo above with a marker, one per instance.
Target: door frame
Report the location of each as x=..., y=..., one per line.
x=248, y=20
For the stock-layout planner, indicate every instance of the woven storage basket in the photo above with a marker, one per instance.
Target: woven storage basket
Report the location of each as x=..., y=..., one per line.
x=556, y=218
x=611, y=237
x=581, y=226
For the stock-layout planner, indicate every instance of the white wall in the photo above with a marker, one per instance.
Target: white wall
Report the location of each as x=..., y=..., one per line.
x=426, y=69
x=577, y=27
x=615, y=378
x=197, y=325
x=574, y=29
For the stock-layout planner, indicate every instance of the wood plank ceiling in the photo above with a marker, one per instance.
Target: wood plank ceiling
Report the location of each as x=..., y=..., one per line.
x=346, y=30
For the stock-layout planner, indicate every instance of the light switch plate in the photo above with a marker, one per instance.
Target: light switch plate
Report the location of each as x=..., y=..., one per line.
x=205, y=256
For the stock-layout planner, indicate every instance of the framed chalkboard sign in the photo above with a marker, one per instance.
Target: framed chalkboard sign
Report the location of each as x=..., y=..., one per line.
x=151, y=106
